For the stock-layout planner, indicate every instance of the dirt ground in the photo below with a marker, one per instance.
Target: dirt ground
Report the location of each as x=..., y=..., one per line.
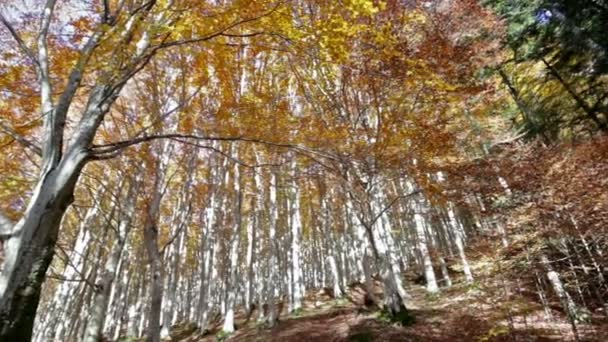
x=461, y=313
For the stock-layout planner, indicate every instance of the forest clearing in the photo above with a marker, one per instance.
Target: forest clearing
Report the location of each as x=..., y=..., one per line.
x=303, y=170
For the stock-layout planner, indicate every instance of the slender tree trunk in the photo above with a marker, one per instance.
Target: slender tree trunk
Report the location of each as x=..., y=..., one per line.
x=329, y=242
x=427, y=264
x=296, y=229
x=58, y=312
x=121, y=302
x=274, y=250
x=150, y=235
x=176, y=249
x=156, y=292
x=206, y=243
x=563, y=295
x=444, y=272
x=458, y=230
x=251, y=256
x=588, y=110
x=98, y=311
x=231, y=284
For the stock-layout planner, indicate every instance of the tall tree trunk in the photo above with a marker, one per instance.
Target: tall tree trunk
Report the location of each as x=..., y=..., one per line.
x=150, y=235
x=206, y=253
x=329, y=242
x=458, y=230
x=296, y=229
x=273, y=266
x=31, y=247
x=176, y=247
x=423, y=249
x=251, y=258
x=156, y=295
x=231, y=284
x=59, y=310
x=98, y=311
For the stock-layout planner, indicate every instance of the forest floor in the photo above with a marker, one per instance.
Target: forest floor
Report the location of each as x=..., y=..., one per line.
x=464, y=312
x=490, y=309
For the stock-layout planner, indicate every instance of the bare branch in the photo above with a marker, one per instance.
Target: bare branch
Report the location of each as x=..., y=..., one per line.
x=106, y=11
x=100, y=150
x=242, y=35
x=397, y=198
x=70, y=264
x=226, y=155
x=20, y=139
x=223, y=31
x=179, y=230
x=74, y=81
x=26, y=50
x=51, y=154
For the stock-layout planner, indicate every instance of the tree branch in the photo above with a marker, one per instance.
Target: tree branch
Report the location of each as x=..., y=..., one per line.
x=20, y=139
x=50, y=151
x=373, y=221
x=222, y=31
x=106, y=11
x=179, y=230
x=26, y=50
x=98, y=151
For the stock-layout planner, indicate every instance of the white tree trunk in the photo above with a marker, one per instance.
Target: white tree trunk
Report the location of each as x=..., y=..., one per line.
x=563, y=295
x=251, y=256
x=423, y=249
x=386, y=244
x=98, y=311
x=30, y=248
x=329, y=242
x=58, y=320
x=231, y=284
x=206, y=252
x=444, y=272
x=273, y=265
x=458, y=231
x=296, y=230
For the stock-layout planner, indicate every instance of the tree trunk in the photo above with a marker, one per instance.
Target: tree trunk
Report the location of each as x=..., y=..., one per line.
x=458, y=240
x=156, y=299
x=56, y=314
x=444, y=272
x=231, y=284
x=274, y=250
x=31, y=246
x=566, y=300
x=427, y=264
x=151, y=234
x=98, y=311
x=251, y=256
x=296, y=228
x=330, y=245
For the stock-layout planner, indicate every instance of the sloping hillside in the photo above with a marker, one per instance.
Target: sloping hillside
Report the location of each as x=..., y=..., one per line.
x=481, y=311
